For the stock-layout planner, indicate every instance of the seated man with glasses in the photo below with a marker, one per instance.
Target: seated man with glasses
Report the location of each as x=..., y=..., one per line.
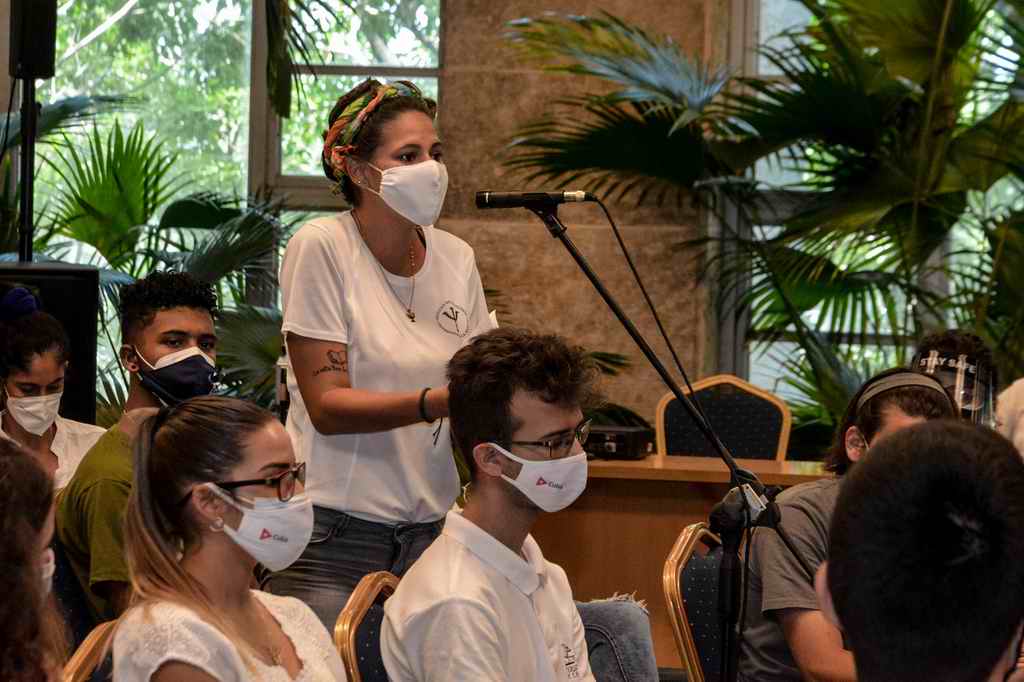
x=482, y=603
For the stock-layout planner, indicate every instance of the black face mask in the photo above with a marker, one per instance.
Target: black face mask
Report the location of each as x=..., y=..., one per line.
x=179, y=376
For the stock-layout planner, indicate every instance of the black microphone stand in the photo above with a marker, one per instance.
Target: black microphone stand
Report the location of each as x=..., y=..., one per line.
x=731, y=516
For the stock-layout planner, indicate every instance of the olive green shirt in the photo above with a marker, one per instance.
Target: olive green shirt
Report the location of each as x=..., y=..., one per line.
x=90, y=517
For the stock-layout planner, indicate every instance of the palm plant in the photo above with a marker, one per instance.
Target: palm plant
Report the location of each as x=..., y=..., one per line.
x=901, y=123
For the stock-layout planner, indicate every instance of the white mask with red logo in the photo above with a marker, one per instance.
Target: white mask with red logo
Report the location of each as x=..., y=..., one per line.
x=272, y=532
x=551, y=484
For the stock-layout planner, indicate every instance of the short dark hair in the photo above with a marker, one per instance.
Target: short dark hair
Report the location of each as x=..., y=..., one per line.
x=957, y=342
x=484, y=376
x=142, y=300
x=27, y=336
x=914, y=401
x=925, y=550
x=369, y=136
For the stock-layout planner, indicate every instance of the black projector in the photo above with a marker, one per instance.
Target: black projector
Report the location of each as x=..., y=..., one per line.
x=620, y=442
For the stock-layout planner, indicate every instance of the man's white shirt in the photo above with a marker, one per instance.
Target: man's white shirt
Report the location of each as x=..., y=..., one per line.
x=472, y=609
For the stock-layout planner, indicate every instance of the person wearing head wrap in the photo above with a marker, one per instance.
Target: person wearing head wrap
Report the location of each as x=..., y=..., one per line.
x=34, y=358
x=376, y=300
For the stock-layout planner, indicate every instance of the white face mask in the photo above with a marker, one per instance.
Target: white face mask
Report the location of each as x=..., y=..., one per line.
x=47, y=570
x=551, y=484
x=37, y=414
x=272, y=532
x=414, y=192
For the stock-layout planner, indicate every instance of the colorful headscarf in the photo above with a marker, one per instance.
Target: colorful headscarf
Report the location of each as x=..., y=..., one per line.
x=339, y=139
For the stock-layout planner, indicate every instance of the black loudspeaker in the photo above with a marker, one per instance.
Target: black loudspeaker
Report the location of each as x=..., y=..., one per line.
x=71, y=293
x=33, y=38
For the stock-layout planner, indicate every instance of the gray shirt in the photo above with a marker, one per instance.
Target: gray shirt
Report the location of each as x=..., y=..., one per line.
x=777, y=581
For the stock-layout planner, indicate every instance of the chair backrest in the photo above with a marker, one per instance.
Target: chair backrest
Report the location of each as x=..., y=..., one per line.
x=690, y=583
x=90, y=655
x=357, y=630
x=70, y=597
x=752, y=423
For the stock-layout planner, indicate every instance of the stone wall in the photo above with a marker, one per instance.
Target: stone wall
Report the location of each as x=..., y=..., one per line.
x=487, y=91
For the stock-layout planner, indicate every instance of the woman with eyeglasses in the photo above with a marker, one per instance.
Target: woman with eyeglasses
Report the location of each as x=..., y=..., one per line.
x=216, y=490
x=34, y=354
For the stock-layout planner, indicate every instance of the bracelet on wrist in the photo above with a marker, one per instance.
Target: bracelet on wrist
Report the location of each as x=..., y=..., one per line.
x=423, y=406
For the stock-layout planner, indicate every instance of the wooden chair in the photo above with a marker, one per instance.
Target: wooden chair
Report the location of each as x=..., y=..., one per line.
x=90, y=654
x=753, y=424
x=690, y=582
x=357, y=630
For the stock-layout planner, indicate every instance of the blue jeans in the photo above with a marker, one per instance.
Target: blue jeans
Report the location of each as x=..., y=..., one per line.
x=343, y=549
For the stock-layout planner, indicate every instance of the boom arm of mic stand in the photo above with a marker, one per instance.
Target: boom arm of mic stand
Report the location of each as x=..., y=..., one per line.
x=549, y=214
x=739, y=478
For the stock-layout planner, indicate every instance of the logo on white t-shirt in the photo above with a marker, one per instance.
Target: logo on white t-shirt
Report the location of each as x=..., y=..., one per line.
x=453, y=319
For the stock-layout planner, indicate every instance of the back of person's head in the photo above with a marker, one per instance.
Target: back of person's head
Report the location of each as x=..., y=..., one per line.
x=484, y=375
x=199, y=440
x=924, y=570
x=142, y=300
x=30, y=641
x=897, y=389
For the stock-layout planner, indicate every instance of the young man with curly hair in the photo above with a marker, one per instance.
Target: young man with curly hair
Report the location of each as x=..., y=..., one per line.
x=169, y=349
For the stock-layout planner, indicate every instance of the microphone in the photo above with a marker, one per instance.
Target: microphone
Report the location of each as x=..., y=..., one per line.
x=489, y=199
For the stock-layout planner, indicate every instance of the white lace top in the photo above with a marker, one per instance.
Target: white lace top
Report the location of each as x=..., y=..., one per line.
x=148, y=637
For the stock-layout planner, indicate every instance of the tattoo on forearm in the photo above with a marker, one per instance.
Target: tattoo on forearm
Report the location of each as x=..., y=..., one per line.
x=337, y=362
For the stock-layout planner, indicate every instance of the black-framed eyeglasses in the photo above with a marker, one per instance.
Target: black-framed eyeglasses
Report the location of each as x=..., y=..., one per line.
x=284, y=482
x=561, y=445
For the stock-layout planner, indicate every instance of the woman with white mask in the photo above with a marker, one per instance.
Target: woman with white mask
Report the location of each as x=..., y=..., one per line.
x=34, y=353
x=196, y=526
x=376, y=301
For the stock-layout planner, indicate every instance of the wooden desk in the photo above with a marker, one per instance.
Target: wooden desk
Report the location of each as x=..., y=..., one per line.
x=616, y=537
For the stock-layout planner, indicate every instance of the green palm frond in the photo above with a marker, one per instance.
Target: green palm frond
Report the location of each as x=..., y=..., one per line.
x=614, y=148
x=250, y=343
x=650, y=69
x=111, y=396
x=289, y=25
x=907, y=33
x=111, y=190
x=64, y=115
x=239, y=245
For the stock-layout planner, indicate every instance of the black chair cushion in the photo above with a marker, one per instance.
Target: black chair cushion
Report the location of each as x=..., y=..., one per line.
x=748, y=425
x=371, y=663
x=698, y=584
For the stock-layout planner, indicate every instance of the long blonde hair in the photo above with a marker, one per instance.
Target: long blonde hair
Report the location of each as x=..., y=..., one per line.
x=200, y=440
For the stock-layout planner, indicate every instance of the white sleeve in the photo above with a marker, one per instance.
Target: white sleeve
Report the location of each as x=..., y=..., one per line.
x=456, y=639
x=478, y=312
x=147, y=638
x=312, y=286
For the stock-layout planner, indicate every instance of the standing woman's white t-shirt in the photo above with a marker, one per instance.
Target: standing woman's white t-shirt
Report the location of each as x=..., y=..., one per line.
x=334, y=289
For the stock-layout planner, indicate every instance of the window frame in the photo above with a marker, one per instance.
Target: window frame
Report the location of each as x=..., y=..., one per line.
x=305, y=192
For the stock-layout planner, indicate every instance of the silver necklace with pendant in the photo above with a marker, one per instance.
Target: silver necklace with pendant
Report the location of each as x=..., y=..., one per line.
x=412, y=269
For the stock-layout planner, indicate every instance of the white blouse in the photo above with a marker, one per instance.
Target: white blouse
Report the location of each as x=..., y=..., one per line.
x=150, y=636
x=71, y=443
